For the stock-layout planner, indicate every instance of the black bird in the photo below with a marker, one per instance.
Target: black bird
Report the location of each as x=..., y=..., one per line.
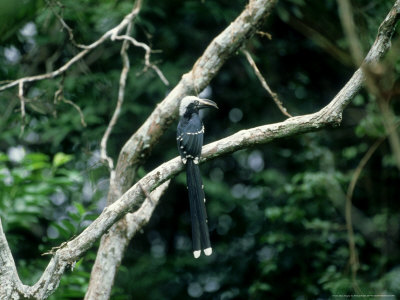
x=189, y=138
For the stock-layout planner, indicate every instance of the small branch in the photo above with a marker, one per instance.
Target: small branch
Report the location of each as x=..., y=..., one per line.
x=74, y=105
x=59, y=96
x=389, y=122
x=346, y=18
x=361, y=166
x=264, y=34
x=273, y=95
x=121, y=93
x=22, y=101
x=65, y=25
x=353, y=259
x=147, y=49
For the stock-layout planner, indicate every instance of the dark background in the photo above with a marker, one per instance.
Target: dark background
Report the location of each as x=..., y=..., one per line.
x=276, y=212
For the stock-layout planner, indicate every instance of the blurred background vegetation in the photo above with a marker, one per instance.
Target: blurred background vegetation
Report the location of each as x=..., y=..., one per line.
x=276, y=212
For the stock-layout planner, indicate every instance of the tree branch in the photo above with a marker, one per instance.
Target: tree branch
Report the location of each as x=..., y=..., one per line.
x=147, y=49
x=64, y=24
x=265, y=85
x=121, y=93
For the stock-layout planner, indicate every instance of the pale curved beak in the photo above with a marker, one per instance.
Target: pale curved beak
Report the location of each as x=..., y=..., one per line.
x=206, y=103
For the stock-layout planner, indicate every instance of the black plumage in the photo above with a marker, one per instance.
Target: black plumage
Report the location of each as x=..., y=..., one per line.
x=190, y=134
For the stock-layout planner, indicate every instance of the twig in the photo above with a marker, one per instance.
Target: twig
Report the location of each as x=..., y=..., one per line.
x=273, y=95
x=121, y=92
x=388, y=120
x=353, y=260
x=65, y=25
x=77, y=108
x=147, y=49
x=361, y=166
x=22, y=101
x=346, y=18
x=59, y=96
x=264, y=34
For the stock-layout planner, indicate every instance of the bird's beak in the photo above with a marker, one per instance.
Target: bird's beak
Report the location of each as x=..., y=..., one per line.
x=204, y=103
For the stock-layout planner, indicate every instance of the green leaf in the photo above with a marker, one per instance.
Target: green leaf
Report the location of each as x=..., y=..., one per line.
x=81, y=209
x=61, y=158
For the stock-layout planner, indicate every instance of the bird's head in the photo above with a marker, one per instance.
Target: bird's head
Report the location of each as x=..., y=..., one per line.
x=192, y=104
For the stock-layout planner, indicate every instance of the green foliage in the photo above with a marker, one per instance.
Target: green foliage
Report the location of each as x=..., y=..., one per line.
x=26, y=187
x=32, y=189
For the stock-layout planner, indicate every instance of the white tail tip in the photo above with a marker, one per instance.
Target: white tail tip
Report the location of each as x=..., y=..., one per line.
x=196, y=253
x=208, y=251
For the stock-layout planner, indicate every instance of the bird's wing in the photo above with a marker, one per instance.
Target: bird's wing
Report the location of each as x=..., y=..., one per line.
x=190, y=141
x=190, y=145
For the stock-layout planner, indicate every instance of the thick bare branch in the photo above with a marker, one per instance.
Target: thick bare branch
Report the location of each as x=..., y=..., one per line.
x=9, y=280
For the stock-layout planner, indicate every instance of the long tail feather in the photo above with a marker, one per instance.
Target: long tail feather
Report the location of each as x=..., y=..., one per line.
x=200, y=235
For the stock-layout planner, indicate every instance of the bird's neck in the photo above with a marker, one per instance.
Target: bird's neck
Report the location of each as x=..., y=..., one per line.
x=191, y=114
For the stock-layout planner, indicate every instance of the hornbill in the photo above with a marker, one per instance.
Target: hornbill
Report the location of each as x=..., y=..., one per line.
x=189, y=138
